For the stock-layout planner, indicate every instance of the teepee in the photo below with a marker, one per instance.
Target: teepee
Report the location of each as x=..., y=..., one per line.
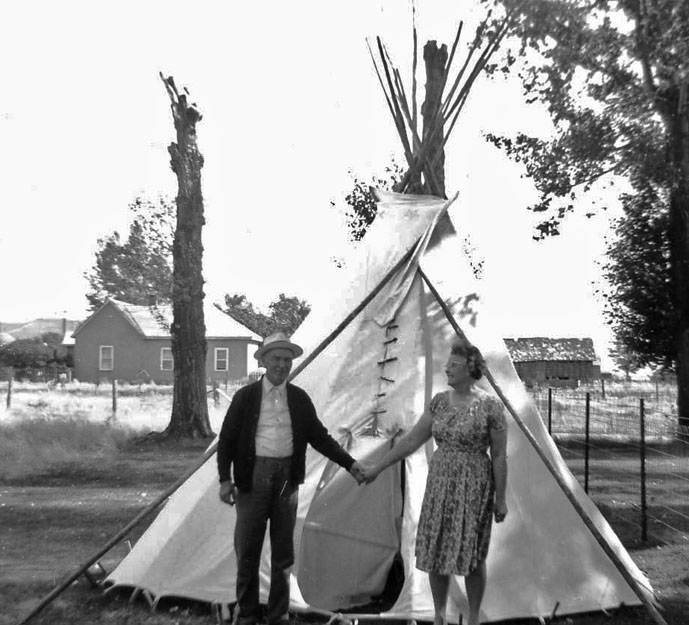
x=554, y=553
x=375, y=348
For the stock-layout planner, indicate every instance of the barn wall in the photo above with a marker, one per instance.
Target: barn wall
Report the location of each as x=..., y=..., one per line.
x=564, y=372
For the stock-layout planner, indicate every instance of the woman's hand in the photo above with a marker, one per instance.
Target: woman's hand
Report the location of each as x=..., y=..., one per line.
x=371, y=473
x=500, y=511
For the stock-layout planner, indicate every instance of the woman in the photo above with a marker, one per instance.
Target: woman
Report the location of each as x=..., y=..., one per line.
x=465, y=487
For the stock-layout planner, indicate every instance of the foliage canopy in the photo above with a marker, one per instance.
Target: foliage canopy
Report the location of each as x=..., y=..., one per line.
x=613, y=76
x=285, y=314
x=139, y=266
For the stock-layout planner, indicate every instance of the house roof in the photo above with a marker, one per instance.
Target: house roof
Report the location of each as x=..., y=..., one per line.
x=154, y=321
x=553, y=349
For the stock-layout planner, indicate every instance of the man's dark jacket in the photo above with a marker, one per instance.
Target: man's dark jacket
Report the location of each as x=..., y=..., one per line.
x=237, y=442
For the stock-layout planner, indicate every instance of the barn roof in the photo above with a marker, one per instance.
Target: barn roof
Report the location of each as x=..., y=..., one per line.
x=154, y=321
x=553, y=349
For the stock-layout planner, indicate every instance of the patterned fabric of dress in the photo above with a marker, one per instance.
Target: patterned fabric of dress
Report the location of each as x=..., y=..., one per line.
x=457, y=511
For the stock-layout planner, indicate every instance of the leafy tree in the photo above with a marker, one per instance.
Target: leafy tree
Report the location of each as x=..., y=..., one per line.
x=242, y=310
x=639, y=304
x=624, y=358
x=361, y=207
x=132, y=269
x=285, y=314
x=613, y=75
x=28, y=353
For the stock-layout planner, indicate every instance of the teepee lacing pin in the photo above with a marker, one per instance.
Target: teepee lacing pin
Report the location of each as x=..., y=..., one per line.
x=382, y=363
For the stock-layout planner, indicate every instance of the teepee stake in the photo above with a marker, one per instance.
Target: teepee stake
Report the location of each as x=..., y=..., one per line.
x=633, y=583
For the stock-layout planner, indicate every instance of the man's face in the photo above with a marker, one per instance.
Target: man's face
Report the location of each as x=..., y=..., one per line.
x=278, y=364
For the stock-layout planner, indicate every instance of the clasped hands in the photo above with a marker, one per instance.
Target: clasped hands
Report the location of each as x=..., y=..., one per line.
x=363, y=474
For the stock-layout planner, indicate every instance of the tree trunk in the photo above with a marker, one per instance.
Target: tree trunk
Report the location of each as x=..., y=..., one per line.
x=188, y=331
x=435, y=60
x=679, y=262
x=677, y=123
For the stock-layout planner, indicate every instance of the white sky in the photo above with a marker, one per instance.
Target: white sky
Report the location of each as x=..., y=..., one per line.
x=290, y=103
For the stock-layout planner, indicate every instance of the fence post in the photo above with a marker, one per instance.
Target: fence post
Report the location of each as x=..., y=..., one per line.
x=10, y=380
x=114, y=397
x=216, y=394
x=602, y=387
x=550, y=410
x=586, y=449
x=642, y=452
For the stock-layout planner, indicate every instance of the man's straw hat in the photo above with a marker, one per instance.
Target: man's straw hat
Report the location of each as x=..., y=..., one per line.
x=275, y=341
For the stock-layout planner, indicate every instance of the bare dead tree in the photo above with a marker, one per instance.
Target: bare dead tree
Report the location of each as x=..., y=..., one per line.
x=188, y=331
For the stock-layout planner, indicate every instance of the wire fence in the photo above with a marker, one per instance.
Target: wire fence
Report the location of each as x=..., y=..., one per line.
x=623, y=443
x=625, y=446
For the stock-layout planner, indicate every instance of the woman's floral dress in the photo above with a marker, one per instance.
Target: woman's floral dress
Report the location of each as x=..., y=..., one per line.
x=457, y=511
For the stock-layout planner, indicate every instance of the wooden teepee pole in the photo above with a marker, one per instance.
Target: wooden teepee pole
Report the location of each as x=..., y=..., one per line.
x=629, y=578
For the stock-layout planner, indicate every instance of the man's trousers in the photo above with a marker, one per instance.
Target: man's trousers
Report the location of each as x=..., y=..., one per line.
x=272, y=500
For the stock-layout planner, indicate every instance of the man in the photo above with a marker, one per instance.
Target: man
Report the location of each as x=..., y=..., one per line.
x=263, y=440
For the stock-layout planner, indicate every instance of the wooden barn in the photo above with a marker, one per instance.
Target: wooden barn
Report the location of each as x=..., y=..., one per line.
x=554, y=361
x=131, y=343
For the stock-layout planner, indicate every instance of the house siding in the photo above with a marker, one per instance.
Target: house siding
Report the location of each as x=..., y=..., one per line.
x=109, y=327
x=137, y=357
x=237, y=361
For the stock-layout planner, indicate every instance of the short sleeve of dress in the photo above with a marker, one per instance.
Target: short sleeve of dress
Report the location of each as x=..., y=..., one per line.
x=435, y=403
x=496, y=415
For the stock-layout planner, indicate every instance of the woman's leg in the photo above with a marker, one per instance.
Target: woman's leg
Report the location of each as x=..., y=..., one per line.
x=475, y=584
x=439, y=588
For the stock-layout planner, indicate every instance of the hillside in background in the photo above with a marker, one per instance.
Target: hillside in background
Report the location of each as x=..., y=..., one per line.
x=37, y=327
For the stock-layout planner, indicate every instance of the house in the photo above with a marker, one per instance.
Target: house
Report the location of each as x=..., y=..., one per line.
x=125, y=342
x=554, y=361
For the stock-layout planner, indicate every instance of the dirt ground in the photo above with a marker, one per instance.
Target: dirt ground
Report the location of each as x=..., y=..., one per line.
x=50, y=525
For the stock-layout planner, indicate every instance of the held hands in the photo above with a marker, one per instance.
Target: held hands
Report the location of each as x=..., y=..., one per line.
x=358, y=473
x=363, y=474
x=228, y=492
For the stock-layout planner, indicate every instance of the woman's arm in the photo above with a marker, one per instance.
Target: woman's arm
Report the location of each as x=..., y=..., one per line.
x=498, y=454
x=409, y=443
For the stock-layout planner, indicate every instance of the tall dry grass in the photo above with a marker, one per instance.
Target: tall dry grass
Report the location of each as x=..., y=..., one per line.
x=42, y=446
x=49, y=431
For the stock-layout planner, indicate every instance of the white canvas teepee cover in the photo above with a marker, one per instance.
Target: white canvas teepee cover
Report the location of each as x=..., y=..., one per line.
x=371, y=382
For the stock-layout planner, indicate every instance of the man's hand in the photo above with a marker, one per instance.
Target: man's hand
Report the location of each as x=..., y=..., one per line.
x=358, y=473
x=228, y=492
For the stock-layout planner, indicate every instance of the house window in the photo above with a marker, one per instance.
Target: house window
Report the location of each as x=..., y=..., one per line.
x=106, y=360
x=222, y=358
x=166, y=361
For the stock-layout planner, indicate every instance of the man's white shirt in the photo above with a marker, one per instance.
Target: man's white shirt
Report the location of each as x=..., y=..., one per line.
x=274, y=431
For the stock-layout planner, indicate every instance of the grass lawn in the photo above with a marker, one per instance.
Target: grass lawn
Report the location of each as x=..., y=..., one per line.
x=56, y=513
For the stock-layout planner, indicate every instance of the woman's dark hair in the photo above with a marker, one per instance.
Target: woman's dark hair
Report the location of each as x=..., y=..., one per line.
x=472, y=356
